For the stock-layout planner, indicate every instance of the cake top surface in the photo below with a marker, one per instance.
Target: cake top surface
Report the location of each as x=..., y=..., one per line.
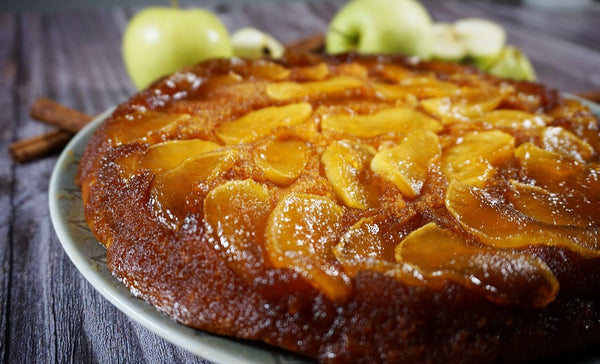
x=325, y=167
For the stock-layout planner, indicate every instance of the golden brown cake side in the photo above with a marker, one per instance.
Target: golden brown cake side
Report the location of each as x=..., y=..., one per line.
x=201, y=230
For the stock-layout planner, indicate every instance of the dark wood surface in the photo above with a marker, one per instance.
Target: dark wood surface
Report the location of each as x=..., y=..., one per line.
x=49, y=313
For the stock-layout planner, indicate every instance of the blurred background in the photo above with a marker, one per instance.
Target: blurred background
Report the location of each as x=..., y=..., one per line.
x=82, y=4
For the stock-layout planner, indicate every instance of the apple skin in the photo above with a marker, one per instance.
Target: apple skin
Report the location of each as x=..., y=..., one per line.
x=161, y=40
x=512, y=63
x=381, y=26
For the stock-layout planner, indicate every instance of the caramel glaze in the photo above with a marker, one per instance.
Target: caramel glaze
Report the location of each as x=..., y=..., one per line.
x=383, y=319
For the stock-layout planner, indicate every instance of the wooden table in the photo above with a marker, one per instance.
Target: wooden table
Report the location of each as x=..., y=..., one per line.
x=49, y=313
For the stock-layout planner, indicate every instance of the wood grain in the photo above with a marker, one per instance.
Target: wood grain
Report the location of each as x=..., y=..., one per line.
x=49, y=313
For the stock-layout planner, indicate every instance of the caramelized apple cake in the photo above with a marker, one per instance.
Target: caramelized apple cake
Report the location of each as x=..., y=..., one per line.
x=356, y=209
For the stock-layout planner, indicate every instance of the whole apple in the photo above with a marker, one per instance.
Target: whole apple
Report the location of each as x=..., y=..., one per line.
x=381, y=26
x=161, y=40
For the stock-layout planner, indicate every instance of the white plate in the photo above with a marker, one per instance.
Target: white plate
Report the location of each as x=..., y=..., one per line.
x=89, y=256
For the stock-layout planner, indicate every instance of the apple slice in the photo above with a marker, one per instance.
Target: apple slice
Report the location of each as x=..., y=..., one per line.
x=406, y=164
x=301, y=232
x=550, y=207
x=168, y=155
x=497, y=223
x=475, y=38
x=466, y=103
x=447, y=45
x=481, y=38
x=474, y=160
x=235, y=214
x=257, y=124
x=502, y=276
x=369, y=245
x=393, y=120
x=284, y=91
x=550, y=170
x=516, y=120
x=282, y=161
x=558, y=140
x=173, y=192
x=345, y=162
x=252, y=43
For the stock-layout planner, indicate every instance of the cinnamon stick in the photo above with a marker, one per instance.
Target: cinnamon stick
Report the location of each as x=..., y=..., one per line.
x=38, y=146
x=53, y=113
x=313, y=43
x=593, y=95
x=68, y=121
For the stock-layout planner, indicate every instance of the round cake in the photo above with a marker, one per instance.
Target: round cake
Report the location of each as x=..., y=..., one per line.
x=356, y=208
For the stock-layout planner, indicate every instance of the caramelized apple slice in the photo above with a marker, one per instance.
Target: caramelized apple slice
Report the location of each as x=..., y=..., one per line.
x=282, y=161
x=426, y=87
x=502, y=276
x=267, y=69
x=550, y=170
x=513, y=119
x=257, y=124
x=499, y=224
x=369, y=244
x=473, y=160
x=345, y=163
x=301, y=232
x=171, y=190
x=283, y=91
x=558, y=140
x=549, y=207
x=465, y=104
x=168, y=155
x=394, y=120
x=313, y=73
x=387, y=91
x=235, y=214
x=144, y=126
x=406, y=164
x=392, y=72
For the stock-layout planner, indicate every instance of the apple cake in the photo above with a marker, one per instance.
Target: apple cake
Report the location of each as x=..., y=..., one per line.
x=375, y=209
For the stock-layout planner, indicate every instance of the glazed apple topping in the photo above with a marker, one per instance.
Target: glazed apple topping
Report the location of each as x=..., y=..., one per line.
x=474, y=160
x=406, y=165
x=282, y=161
x=392, y=120
x=339, y=85
x=235, y=214
x=423, y=179
x=260, y=123
x=345, y=164
x=496, y=223
x=301, y=233
x=173, y=192
x=507, y=277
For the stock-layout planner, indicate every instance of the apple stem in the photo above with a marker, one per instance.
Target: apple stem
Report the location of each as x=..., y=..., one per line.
x=175, y=4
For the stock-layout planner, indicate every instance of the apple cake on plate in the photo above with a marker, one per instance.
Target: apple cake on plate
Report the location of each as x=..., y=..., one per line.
x=356, y=208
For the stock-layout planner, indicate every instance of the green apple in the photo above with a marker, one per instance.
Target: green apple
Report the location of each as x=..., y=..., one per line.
x=252, y=43
x=482, y=38
x=512, y=63
x=161, y=40
x=381, y=26
x=446, y=43
x=479, y=40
